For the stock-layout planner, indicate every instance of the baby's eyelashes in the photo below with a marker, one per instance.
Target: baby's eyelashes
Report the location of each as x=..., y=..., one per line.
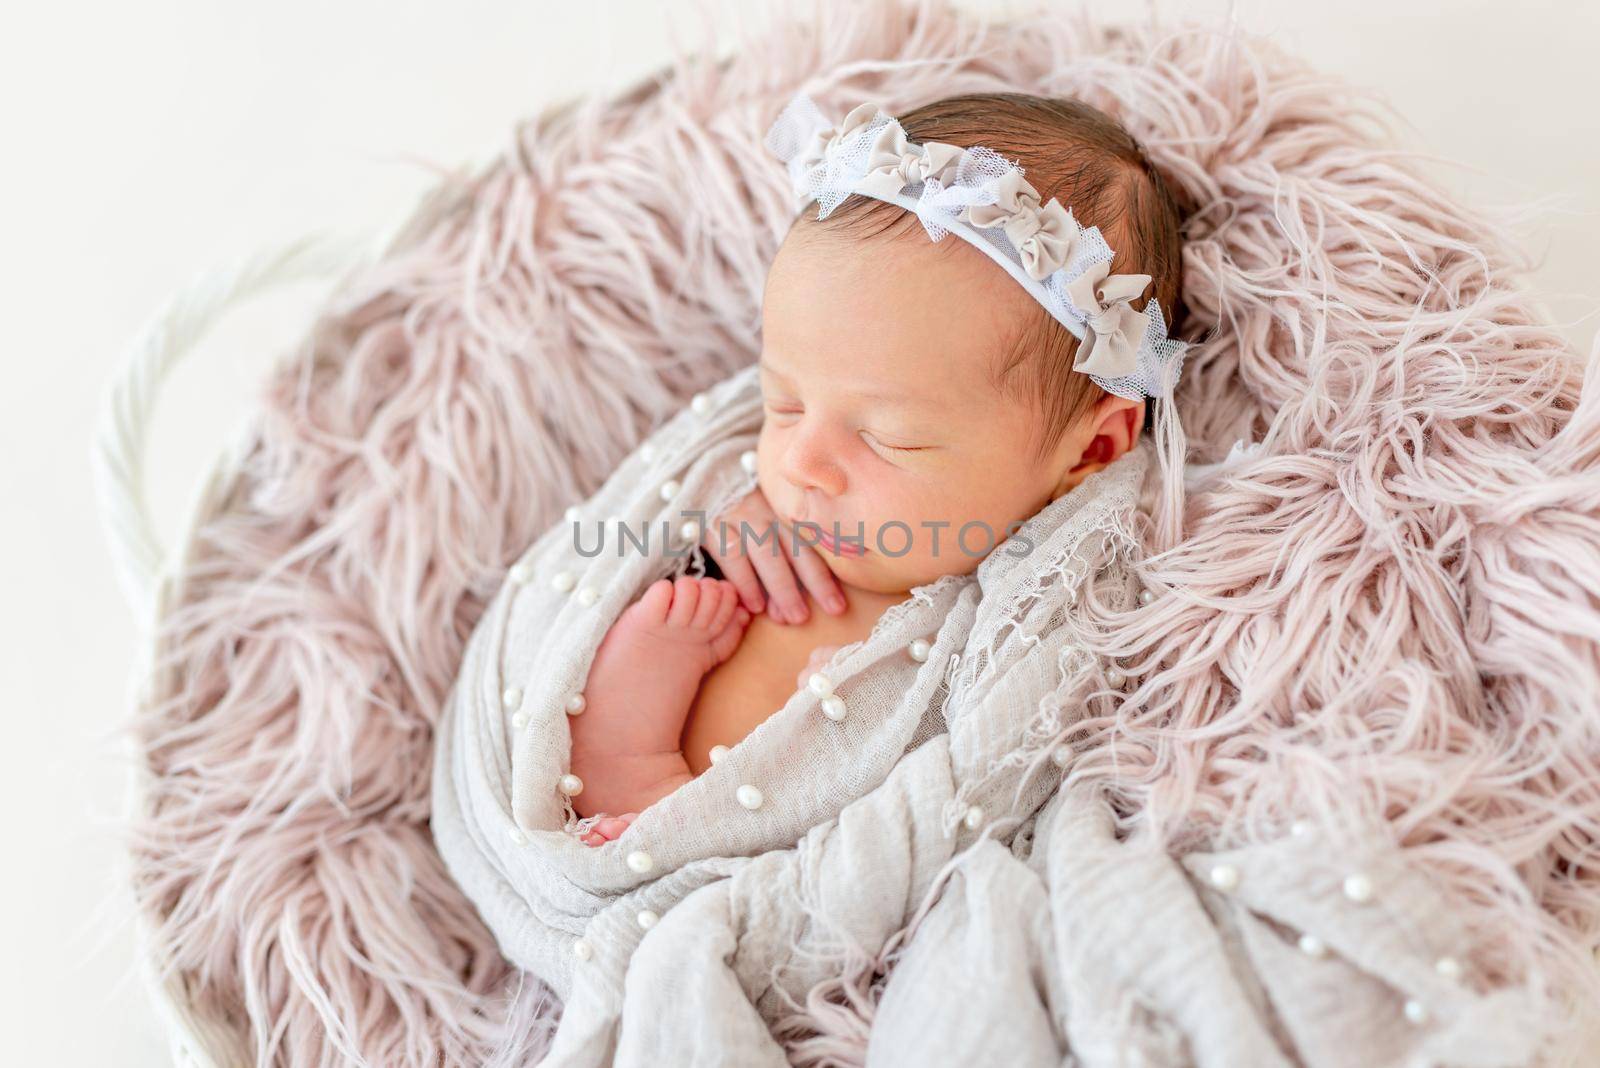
x=875, y=439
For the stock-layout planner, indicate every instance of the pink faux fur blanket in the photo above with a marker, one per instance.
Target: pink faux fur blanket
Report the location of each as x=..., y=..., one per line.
x=1388, y=610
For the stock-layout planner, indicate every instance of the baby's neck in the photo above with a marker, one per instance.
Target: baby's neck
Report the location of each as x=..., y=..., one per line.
x=861, y=602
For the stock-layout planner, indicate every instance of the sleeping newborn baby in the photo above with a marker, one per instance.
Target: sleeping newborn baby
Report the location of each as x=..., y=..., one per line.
x=919, y=405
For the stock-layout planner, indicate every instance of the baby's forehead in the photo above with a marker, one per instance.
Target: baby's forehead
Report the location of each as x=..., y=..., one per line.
x=829, y=287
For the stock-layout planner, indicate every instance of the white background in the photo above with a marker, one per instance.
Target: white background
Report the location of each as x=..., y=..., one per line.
x=143, y=143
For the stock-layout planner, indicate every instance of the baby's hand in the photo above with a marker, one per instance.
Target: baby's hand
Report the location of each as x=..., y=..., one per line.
x=819, y=656
x=771, y=564
x=608, y=829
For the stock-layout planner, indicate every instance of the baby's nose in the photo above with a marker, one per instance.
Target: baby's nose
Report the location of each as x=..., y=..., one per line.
x=808, y=466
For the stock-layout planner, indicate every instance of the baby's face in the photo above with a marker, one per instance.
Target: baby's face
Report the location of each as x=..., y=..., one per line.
x=879, y=412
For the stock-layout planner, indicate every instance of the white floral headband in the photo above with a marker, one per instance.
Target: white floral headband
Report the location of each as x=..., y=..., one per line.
x=981, y=196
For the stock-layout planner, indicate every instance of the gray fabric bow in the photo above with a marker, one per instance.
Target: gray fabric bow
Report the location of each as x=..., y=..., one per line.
x=894, y=163
x=1111, y=348
x=1044, y=236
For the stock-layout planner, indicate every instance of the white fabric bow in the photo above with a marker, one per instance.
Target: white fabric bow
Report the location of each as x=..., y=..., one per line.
x=1044, y=236
x=1111, y=350
x=825, y=143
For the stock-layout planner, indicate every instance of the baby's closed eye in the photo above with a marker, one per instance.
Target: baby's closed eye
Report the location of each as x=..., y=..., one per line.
x=889, y=443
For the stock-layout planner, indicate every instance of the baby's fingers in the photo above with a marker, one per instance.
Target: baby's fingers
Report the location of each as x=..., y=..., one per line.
x=737, y=569
x=608, y=829
x=819, y=580
x=775, y=566
x=612, y=826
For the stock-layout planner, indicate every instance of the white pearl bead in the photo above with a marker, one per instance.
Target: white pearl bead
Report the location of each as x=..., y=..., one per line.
x=1358, y=888
x=563, y=581
x=1146, y=596
x=576, y=704
x=572, y=514
x=819, y=684
x=670, y=488
x=1113, y=677
x=1061, y=756
x=748, y=461
x=919, y=650
x=520, y=720
x=571, y=785
x=1224, y=877
x=588, y=596
x=700, y=403
x=511, y=698
x=974, y=818
x=517, y=837
x=1448, y=967
x=690, y=530
x=647, y=919
x=1300, y=828
x=749, y=796
x=1416, y=1011
x=647, y=452
x=640, y=861
x=520, y=573
x=718, y=752
x=583, y=950
x=833, y=707
x=1312, y=946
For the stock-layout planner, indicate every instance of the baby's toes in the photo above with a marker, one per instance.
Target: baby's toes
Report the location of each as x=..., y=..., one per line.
x=712, y=597
x=685, y=599
x=652, y=605
x=728, y=638
x=728, y=600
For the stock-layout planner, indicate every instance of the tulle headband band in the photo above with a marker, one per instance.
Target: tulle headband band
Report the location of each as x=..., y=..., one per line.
x=982, y=197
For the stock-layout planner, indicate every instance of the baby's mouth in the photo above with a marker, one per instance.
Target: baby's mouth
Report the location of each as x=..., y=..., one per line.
x=823, y=537
x=850, y=548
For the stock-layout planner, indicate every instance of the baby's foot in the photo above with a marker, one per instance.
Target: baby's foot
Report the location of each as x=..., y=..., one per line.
x=608, y=829
x=625, y=744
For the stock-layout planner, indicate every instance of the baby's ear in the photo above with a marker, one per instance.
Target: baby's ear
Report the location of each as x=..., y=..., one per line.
x=1110, y=429
x=1120, y=421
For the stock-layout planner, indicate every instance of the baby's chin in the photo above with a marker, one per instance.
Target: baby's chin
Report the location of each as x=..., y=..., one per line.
x=874, y=573
x=853, y=572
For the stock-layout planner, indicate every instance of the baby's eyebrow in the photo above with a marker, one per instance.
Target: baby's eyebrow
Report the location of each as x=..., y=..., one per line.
x=883, y=395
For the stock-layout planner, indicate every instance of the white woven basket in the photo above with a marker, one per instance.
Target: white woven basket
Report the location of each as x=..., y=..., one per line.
x=151, y=575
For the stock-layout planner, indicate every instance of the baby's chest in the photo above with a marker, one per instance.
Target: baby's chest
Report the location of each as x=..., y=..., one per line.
x=740, y=694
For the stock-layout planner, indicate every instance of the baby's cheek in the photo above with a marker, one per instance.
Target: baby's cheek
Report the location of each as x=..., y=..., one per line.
x=767, y=446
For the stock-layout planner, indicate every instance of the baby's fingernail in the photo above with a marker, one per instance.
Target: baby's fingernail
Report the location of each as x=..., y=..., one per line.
x=836, y=603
